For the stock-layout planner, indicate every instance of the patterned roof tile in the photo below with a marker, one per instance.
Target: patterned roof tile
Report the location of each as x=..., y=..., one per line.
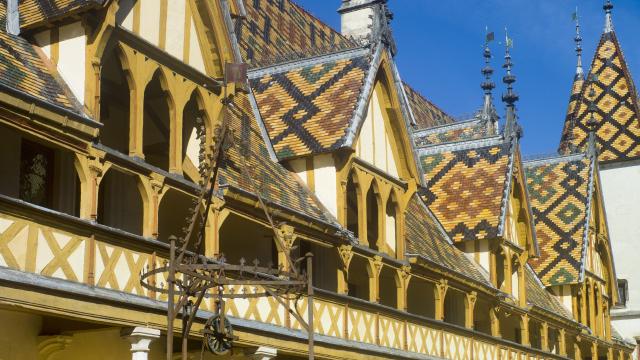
x=618, y=115
x=426, y=114
x=308, y=110
x=558, y=190
x=425, y=237
x=276, y=31
x=22, y=69
x=35, y=12
x=470, y=130
x=268, y=178
x=465, y=189
x=539, y=296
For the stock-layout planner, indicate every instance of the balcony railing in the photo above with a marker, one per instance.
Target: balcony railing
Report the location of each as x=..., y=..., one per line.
x=56, y=245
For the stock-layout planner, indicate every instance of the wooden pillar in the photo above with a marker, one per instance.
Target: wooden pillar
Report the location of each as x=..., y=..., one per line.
x=136, y=118
x=284, y=243
x=404, y=276
x=583, y=304
x=440, y=289
x=362, y=191
x=562, y=341
x=524, y=330
x=592, y=307
x=594, y=351
x=345, y=253
x=375, y=265
x=212, y=232
x=90, y=171
x=576, y=348
x=469, y=307
x=495, y=322
x=544, y=336
x=151, y=191
x=600, y=310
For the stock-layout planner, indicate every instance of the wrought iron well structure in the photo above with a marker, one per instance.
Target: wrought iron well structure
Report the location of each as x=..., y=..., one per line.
x=192, y=277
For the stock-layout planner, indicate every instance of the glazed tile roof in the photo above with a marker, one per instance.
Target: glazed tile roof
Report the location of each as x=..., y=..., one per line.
x=559, y=194
x=425, y=113
x=309, y=109
x=277, y=31
x=537, y=295
x=461, y=131
x=466, y=188
x=24, y=70
x=618, y=128
x=268, y=178
x=576, y=89
x=38, y=12
x=426, y=237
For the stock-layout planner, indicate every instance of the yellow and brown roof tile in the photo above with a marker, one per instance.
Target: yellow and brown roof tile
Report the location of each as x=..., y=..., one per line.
x=39, y=12
x=276, y=31
x=309, y=109
x=460, y=131
x=616, y=103
x=426, y=238
x=559, y=193
x=248, y=167
x=425, y=113
x=466, y=188
x=22, y=69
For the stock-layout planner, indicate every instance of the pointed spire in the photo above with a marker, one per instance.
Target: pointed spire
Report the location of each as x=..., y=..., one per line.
x=578, y=41
x=488, y=85
x=592, y=122
x=510, y=98
x=608, y=24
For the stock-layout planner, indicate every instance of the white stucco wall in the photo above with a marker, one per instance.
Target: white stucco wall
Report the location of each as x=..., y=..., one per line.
x=374, y=142
x=356, y=23
x=622, y=204
x=325, y=182
x=71, y=62
x=299, y=166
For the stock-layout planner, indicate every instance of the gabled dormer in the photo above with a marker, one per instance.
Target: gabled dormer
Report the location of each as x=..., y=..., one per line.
x=338, y=120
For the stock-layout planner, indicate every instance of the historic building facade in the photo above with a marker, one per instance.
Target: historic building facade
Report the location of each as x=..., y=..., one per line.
x=432, y=238
x=607, y=96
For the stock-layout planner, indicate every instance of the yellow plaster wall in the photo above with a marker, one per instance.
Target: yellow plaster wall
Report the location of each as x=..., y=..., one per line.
x=374, y=142
x=173, y=30
x=18, y=335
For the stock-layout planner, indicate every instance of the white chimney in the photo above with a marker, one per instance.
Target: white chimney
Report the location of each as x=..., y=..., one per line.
x=357, y=17
x=13, y=18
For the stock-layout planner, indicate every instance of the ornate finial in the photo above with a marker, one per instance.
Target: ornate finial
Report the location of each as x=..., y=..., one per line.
x=578, y=41
x=487, y=70
x=608, y=25
x=488, y=113
x=510, y=98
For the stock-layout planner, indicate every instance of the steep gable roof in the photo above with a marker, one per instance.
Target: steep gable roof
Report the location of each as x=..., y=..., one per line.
x=458, y=131
x=24, y=70
x=538, y=296
x=39, y=12
x=249, y=167
x=559, y=190
x=616, y=102
x=278, y=31
x=466, y=186
x=308, y=108
x=425, y=237
x=426, y=113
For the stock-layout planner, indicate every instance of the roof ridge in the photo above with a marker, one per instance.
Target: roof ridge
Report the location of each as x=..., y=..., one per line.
x=428, y=101
x=307, y=12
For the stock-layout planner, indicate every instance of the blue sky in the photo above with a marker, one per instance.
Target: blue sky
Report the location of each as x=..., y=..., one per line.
x=440, y=52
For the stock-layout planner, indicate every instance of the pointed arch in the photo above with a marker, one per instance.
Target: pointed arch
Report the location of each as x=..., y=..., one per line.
x=158, y=121
x=374, y=218
x=117, y=94
x=193, y=116
x=392, y=222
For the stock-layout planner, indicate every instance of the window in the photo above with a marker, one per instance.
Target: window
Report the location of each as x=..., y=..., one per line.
x=623, y=291
x=36, y=174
